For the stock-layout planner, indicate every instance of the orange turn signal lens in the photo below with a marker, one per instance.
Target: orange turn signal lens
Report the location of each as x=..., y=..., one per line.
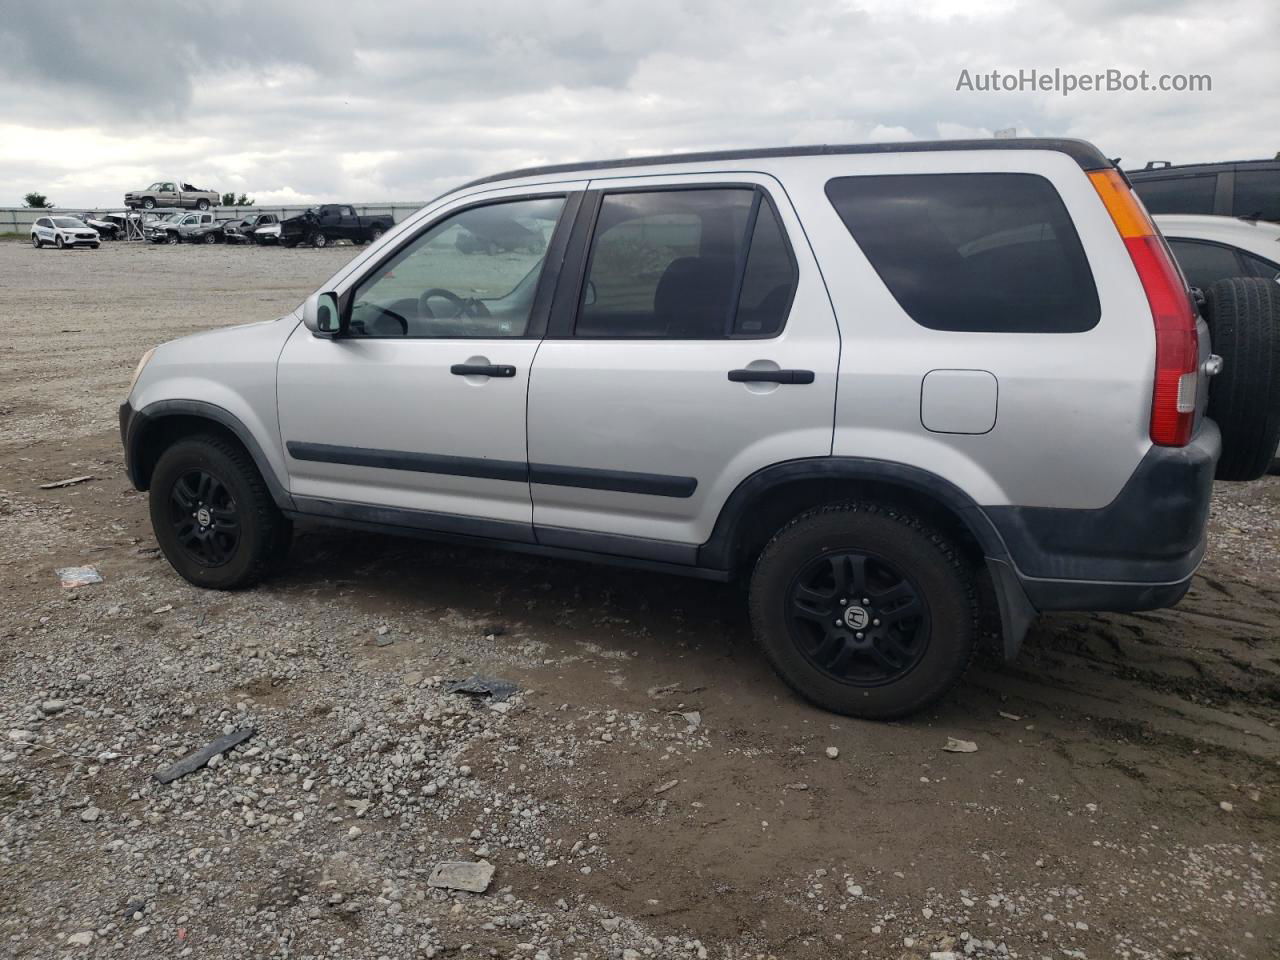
x=1125, y=209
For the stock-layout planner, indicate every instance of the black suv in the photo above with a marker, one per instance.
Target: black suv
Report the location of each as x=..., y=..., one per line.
x=1248, y=188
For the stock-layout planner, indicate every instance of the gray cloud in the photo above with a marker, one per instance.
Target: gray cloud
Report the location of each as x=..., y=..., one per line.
x=382, y=100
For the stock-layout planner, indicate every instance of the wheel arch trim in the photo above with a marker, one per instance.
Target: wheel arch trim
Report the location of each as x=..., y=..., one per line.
x=136, y=426
x=1016, y=611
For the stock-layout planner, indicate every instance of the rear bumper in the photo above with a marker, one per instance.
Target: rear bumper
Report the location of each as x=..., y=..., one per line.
x=1139, y=552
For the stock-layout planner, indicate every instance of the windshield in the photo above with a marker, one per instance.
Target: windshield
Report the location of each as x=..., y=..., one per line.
x=66, y=222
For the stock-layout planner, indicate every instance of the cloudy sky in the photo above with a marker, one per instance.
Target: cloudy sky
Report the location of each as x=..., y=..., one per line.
x=373, y=101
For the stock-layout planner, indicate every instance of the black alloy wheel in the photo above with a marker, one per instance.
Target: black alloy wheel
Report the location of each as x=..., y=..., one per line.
x=859, y=620
x=204, y=518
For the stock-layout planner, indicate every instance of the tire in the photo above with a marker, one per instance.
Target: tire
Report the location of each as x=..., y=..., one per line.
x=236, y=493
x=172, y=237
x=94, y=246
x=148, y=203
x=910, y=576
x=58, y=242
x=1244, y=319
x=376, y=234
x=202, y=204
x=210, y=238
x=36, y=242
x=318, y=239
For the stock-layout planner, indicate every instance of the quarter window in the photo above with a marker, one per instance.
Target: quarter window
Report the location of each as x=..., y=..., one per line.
x=687, y=264
x=1177, y=194
x=972, y=252
x=473, y=274
x=1258, y=194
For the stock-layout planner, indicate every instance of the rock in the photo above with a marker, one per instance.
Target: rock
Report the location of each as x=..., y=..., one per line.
x=663, y=788
x=833, y=752
x=1226, y=805
x=460, y=875
x=81, y=939
x=960, y=746
x=22, y=736
x=630, y=954
x=611, y=924
x=90, y=814
x=53, y=706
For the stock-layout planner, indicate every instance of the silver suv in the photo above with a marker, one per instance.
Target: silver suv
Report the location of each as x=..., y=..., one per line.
x=903, y=390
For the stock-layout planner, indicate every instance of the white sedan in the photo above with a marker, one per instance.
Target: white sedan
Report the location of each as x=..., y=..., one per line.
x=63, y=232
x=1213, y=248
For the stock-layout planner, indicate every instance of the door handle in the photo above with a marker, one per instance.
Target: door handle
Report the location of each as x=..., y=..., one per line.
x=482, y=370
x=771, y=376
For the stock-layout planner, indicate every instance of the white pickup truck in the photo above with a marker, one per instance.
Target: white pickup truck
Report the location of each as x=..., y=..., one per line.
x=171, y=193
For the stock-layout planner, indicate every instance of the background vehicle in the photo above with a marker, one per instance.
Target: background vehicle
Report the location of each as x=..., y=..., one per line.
x=173, y=227
x=330, y=222
x=900, y=390
x=269, y=234
x=1248, y=188
x=212, y=231
x=242, y=230
x=63, y=232
x=106, y=229
x=1215, y=248
x=171, y=193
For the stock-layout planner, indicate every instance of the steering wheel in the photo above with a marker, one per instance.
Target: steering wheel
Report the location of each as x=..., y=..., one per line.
x=424, y=305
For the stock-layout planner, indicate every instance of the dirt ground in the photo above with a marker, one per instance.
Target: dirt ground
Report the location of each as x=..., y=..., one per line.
x=651, y=791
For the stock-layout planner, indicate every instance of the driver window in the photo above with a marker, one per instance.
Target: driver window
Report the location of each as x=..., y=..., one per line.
x=473, y=274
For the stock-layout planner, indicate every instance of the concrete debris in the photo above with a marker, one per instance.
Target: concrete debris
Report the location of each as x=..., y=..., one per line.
x=461, y=875
x=69, y=482
x=960, y=746
x=71, y=577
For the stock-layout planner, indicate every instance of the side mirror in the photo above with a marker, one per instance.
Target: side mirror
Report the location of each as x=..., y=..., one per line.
x=320, y=315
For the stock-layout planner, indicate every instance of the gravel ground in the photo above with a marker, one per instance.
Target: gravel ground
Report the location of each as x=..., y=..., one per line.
x=651, y=790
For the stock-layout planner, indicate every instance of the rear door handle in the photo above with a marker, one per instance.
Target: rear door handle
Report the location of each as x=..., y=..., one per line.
x=482, y=370
x=771, y=376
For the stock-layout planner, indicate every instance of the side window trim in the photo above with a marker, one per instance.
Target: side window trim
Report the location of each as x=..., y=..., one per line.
x=535, y=330
x=571, y=293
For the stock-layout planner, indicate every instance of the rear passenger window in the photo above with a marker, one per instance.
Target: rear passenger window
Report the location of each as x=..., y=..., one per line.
x=1257, y=194
x=687, y=265
x=972, y=252
x=1202, y=263
x=1178, y=194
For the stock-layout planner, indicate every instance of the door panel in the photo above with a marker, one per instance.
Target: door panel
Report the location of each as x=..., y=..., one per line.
x=446, y=443
x=421, y=406
x=657, y=424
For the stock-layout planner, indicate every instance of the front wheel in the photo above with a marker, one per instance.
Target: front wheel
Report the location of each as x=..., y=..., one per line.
x=318, y=239
x=94, y=246
x=210, y=238
x=172, y=238
x=863, y=610
x=35, y=242
x=149, y=203
x=60, y=243
x=213, y=516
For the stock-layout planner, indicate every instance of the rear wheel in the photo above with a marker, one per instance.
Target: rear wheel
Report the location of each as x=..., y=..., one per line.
x=210, y=238
x=213, y=516
x=202, y=204
x=1244, y=319
x=863, y=610
x=375, y=234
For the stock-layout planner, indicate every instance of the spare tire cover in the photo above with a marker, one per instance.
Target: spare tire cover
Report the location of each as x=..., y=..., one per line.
x=1243, y=315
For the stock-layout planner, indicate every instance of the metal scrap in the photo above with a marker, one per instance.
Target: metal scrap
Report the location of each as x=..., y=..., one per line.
x=194, y=761
x=478, y=685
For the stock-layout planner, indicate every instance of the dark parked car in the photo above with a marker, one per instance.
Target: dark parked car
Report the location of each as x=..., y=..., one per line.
x=333, y=221
x=497, y=232
x=1248, y=188
x=107, y=229
x=241, y=231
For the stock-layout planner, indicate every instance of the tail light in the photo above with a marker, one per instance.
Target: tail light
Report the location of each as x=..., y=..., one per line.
x=1173, y=401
